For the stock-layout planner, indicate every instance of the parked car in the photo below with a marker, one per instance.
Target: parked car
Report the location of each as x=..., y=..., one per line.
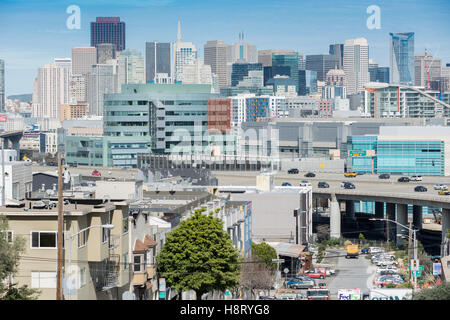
x=305, y=183
x=317, y=273
x=440, y=187
x=350, y=174
x=96, y=173
x=384, y=176
x=347, y=185
x=300, y=282
x=403, y=179
x=365, y=250
x=323, y=185
x=373, y=250
x=387, y=262
x=310, y=175
x=416, y=178
x=384, y=280
x=286, y=184
x=389, y=270
x=420, y=189
x=330, y=272
x=293, y=171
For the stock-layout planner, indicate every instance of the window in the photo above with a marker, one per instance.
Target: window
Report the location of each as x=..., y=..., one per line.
x=8, y=236
x=43, y=239
x=125, y=261
x=138, y=265
x=82, y=239
x=43, y=279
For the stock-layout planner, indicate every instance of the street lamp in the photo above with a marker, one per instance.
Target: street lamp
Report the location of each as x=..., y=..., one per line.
x=70, y=237
x=414, y=241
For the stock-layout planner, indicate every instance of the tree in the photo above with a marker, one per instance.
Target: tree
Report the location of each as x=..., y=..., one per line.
x=439, y=292
x=199, y=256
x=9, y=262
x=361, y=238
x=323, y=233
x=265, y=253
x=256, y=274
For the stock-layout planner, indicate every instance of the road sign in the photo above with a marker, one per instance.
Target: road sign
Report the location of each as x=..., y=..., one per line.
x=414, y=264
x=286, y=270
x=357, y=153
x=416, y=273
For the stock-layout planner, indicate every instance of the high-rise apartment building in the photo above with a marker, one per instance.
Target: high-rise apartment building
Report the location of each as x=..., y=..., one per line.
x=356, y=64
x=321, y=63
x=77, y=88
x=184, y=53
x=337, y=50
x=108, y=30
x=401, y=58
x=157, y=59
x=51, y=89
x=215, y=54
x=2, y=85
x=426, y=69
x=83, y=58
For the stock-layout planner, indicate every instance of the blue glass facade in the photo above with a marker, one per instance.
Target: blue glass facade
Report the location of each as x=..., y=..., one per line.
x=380, y=74
x=240, y=70
x=402, y=57
x=398, y=157
x=307, y=82
x=257, y=108
x=289, y=60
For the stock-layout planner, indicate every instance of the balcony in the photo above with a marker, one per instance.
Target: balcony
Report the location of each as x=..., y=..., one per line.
x=105, y=274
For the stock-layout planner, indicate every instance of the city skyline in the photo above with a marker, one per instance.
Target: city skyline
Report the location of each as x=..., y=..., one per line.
x=304, y=27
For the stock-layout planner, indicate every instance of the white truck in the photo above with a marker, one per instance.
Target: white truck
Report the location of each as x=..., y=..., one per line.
x=349, y=294
x=375, y=294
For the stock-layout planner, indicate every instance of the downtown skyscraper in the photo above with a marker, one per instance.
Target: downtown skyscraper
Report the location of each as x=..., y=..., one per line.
x=401, y=58
x=108, y=30
x=184, y=53
x=356, y=64
x=157, y=59
x=215, y=52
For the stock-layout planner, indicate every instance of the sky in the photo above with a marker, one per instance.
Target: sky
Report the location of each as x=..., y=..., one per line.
x=34, y=32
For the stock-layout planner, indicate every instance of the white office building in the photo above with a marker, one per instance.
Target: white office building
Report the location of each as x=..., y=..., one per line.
x=356, y=64
x=185, y=53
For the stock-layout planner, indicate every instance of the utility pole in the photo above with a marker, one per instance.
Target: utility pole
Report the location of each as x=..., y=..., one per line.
x=409, y=245
x=3, y=173
x=59, y=275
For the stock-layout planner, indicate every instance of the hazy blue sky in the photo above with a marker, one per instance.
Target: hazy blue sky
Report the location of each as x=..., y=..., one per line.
x=33, y=32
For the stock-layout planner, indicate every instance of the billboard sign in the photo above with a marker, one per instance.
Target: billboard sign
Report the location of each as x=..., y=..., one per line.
x=3, y=117
x=391, y=294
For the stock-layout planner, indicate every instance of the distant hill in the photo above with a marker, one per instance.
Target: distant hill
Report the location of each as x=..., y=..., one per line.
x=21, y=97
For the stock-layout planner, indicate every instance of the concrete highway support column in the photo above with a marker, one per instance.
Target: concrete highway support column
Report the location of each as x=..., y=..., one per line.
x=445, y=222
x=350, y=209
x=335, y=218
x=417, y=217
x=402, y=218
x=390, y=226
x=379, y=214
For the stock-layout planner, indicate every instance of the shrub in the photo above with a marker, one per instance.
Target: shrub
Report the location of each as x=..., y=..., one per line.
x=347, y=242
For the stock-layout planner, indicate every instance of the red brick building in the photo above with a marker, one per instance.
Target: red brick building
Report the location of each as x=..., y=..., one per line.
x=220, y=115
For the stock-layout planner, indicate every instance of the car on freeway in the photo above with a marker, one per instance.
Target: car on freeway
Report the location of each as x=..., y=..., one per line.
x=347, y=185
x=293, y=171
x=322, y=184
x=384, y=176
x=420, y=189
x=403, y=179
x=440, y=187
x=286, y=184
x=416, y=178
x=73, y=165
x=305, y=183
x=317, y=273
x=310, y=175
x=350, y=174
x=96, y=173
x=39, y=205
x=444, y=192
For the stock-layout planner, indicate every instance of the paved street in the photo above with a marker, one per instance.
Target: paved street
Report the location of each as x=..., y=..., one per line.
x=350, y=273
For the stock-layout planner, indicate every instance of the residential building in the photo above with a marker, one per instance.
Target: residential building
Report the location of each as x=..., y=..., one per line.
x=108, y=30
x=325, y=108
x=18, y=177
x=93, y=257
x=356, y=64
x=78, y=88
x=157, y=59
x=73, y=111
x=220, y=115
x=401, y=58
x=51, y=90
x=215, y=55
x=102, y=80
x=321, y=63
x=184, y=53
x=83, y=58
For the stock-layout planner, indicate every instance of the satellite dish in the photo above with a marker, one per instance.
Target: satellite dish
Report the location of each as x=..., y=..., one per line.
x=127, y=295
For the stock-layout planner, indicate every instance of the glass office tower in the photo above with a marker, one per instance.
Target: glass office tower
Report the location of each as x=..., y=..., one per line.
x=241, y=70
x=289, y=60
x=157, y=59
x=402, y=58
x=108, y=30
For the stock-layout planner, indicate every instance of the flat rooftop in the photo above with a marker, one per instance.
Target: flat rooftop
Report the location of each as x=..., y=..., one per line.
x=70, y=209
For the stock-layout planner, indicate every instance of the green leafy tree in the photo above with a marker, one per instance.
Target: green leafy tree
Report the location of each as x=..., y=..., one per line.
x=265, y=253
x=9, y=262
x=199, y=256
x=439, y=292
x=361, y=238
